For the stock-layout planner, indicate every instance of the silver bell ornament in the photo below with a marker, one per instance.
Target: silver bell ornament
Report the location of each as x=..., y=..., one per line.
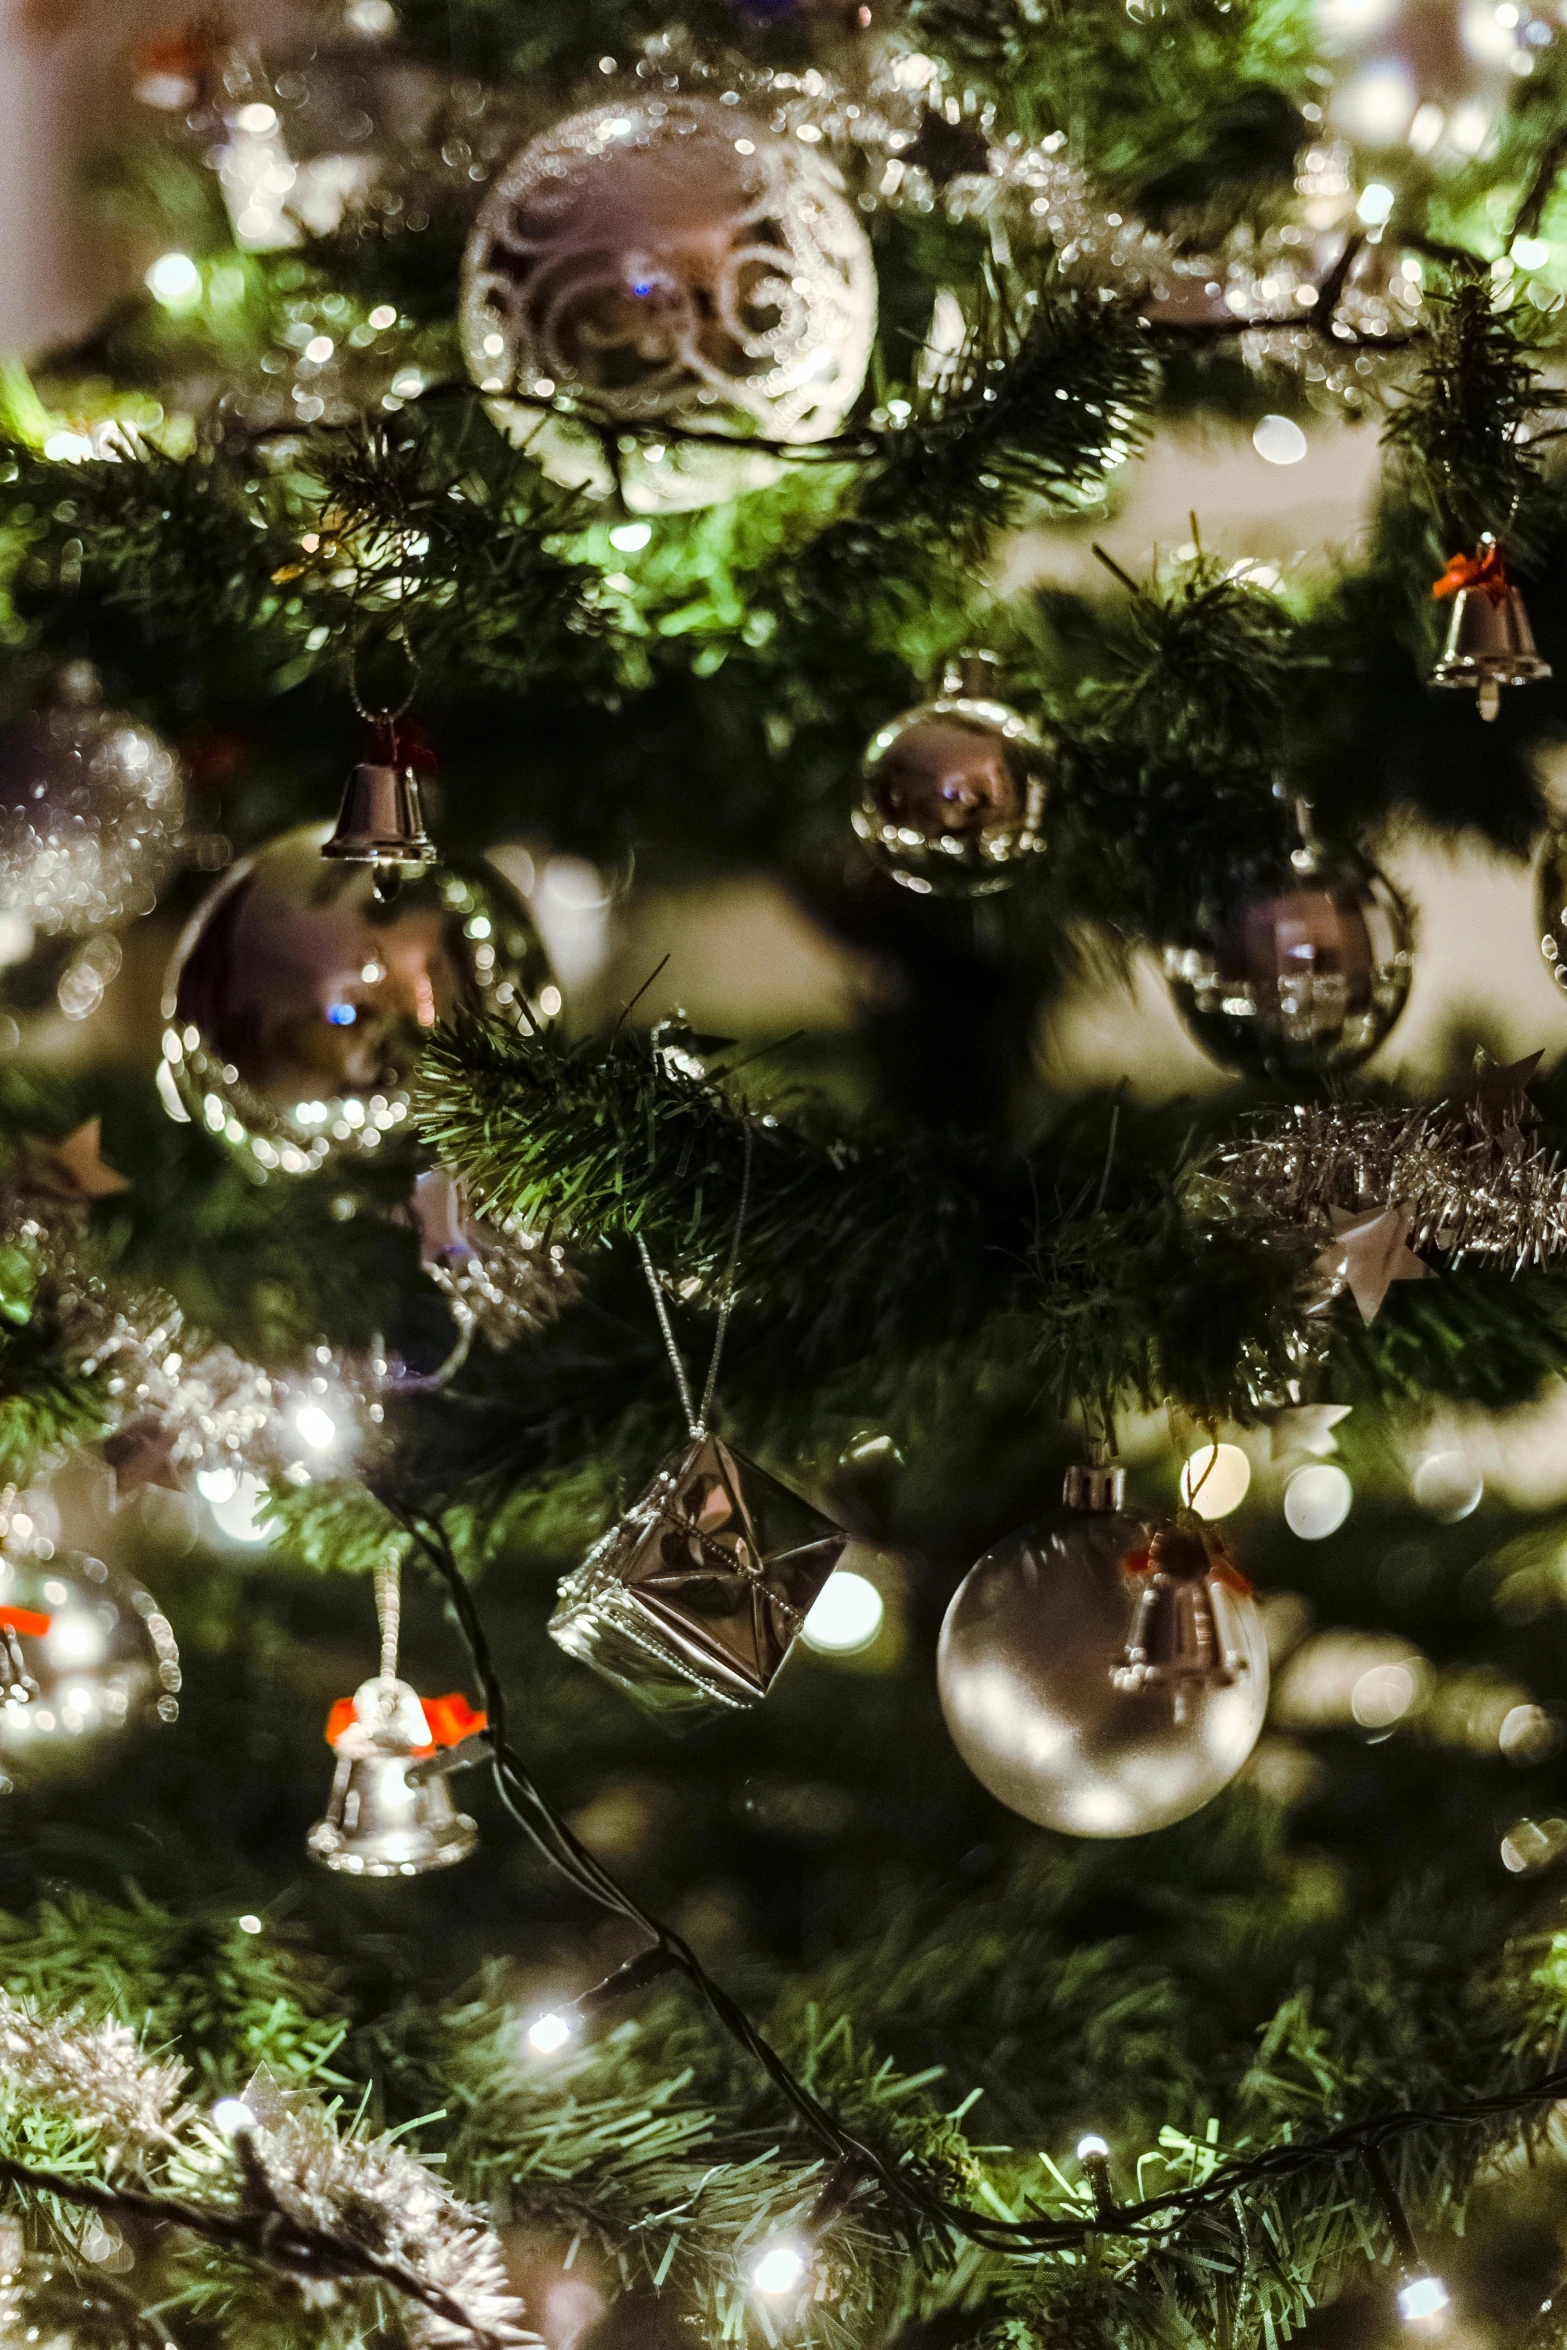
x=953, y=791
x=385, y=1817
x=381, y=824
x=1301, y=965
x=86, y=1651
x=390, y=1812
x=298, y=1001
x=1093, y=1678
x=1489, y=641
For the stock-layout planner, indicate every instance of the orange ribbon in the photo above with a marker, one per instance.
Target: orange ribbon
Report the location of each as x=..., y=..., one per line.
x=448, y=1719
x=1483, y=569
x=24, y=1619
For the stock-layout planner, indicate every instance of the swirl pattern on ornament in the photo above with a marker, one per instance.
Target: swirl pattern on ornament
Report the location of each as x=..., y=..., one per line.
x=672, y=258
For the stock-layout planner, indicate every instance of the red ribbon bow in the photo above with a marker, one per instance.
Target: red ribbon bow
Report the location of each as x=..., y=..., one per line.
x=1221, y=1568
x=449, y=1719
x=1483, y=569
x=402, y=742
x=24, y=1619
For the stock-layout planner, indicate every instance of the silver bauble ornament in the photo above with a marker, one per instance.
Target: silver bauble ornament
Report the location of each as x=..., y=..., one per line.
x=1301, y=966
x=953, y=791
x=94, y=1646
x=1094, y=1685
x=668, y=260
x=1550, y=899
x=92, y=804
x=298, y=1001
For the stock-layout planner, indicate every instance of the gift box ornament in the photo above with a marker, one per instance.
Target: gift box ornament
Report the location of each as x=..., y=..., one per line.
x=692, y=1600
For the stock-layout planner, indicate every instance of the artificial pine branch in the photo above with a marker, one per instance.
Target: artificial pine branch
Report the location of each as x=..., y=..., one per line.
x=1461, y=438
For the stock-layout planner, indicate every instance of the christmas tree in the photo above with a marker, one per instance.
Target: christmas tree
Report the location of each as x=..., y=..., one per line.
x=942, y=1687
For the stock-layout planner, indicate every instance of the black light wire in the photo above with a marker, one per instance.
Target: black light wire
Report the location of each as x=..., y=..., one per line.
x=915, y=2197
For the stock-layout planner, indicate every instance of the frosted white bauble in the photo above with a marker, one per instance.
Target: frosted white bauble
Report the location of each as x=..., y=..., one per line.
x=1027, y=1670
x=668, y=259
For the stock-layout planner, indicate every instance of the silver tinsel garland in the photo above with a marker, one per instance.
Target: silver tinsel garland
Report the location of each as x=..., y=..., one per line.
x=339, y=2212
x=183, y=1405
x=96, y=2075
x=1467, y=1175
x=372, y=2191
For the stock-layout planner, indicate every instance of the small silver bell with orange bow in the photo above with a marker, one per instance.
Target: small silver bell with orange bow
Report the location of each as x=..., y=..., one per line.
x=390, y=1812
x=1180, y=1637
x=1489, y=641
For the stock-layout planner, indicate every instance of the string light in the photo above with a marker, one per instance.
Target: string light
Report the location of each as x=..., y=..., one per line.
x=1215, y=1479
x=845, y=1616
x=318, y=1428
x=550, y=2032
x=174, y=280
x=1317, y=1501
x=231, y=2115
x=1421, y=2299
x=1278, y=440
x=778, y=2268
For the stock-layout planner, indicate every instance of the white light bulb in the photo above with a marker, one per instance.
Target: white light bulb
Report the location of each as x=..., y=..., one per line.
x=1090, y=2147
x=846, y=1615
x=777, y=2268
x=318, y=1428
x=1448, y=1486
x=249, y=1923
x=1376, y=204
x=1215, y=1479
x=174, y=279
x=629, y=538
x=241, y=1513
x=1422, y=2297
x=1317, y=1501
x=74, y=1638
x=549, y=2032
x=1278, y=440
x=231, y=2115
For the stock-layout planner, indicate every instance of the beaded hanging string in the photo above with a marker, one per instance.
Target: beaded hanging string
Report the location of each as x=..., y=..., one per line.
x=389, y=1609
x=697, y=1420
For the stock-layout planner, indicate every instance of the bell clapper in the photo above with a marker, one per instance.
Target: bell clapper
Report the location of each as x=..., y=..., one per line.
x=1490, y=698
x=386, y=882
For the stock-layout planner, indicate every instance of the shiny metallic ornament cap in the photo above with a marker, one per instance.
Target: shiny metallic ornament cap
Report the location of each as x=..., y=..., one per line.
x=973, y=675
x=381, y=821
x=1091, y=1486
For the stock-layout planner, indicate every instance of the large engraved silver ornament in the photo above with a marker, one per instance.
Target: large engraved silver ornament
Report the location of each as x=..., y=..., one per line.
x=668, y=259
